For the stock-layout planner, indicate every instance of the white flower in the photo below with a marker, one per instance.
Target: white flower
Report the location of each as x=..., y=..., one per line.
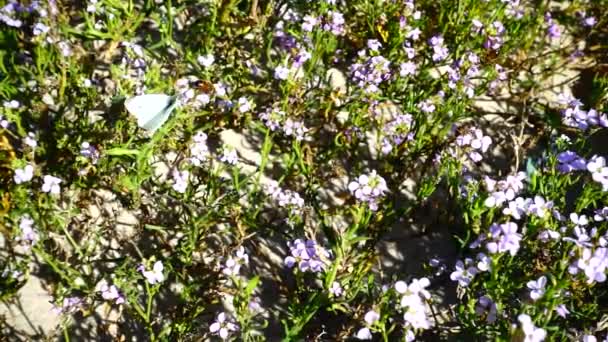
x=24, y=175
x=206, y=60
x=180, y=180
x=156, y=275
x=51, y=185
x=531, y=333
x=244, y=105
x=371, y=317
x=364, y=334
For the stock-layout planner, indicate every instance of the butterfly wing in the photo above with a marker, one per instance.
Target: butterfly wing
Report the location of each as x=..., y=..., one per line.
x=151, y=110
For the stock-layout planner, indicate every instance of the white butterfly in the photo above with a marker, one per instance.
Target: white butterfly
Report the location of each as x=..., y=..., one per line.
x=151, y=110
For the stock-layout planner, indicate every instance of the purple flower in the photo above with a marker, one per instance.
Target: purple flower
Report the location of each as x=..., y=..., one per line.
x=307, y=255
x=464, y=272
x=485, y=306
x=537, y=287
x=111, y=293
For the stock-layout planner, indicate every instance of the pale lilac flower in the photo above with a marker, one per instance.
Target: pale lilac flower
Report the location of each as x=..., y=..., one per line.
x=484, y=262
x=51, y=185
x=601, y=214
x=273, y=118
x=464, y=272
x=294, y=128
x=562, y=311
x=89, y=151
x=68, y=305
x=569, y=161
x=202, y=99
x=244, y=105
x=309, y=23
x=371, y=317
x=407, y=68
x=223, y=326
x=593, y=263
x=589, y=338
x=155, y=276
x=540, y=207
x=517, y=207
x=364, y=334
x=413, y=34
x=486, y=307
x=233, y=264
x=199, y=151
x=554, y=31
x=590, y=21
x=30, y=140
x=335, y=289
x=281, y=73
x=180, y=180
x=582, y=237
x=537, y=287
x=579, y=220
x=206, y=61
x=307, y=255
x=531, y=332
x=373, y=44
x=40, y=28
x=24, y=175
x=369, y=188
x=548, y=234
x=599, y=171
x=28, y=233
x=505, y=238
x=229, y=155
x=66, y=50
x=336, y=23
x=111, y=293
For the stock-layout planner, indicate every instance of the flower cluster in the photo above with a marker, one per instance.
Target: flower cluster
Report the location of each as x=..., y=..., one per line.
x=232, y=266
x=370, y=72
x=473, y=142
x=180, y=180
x=111, y=293
x=462, y=73
x=28, y=233
x=287, y=199
x=69, y=305
x=369, y=188
x=307, y=255
x=531, y=332
x=569, y=161
x=503, y=190
x=574, y=116
x=413, y=302
x=199, y=151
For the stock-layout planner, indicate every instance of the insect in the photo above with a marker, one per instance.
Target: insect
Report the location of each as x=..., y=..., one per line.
x=205, y=86
x=151, y=110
